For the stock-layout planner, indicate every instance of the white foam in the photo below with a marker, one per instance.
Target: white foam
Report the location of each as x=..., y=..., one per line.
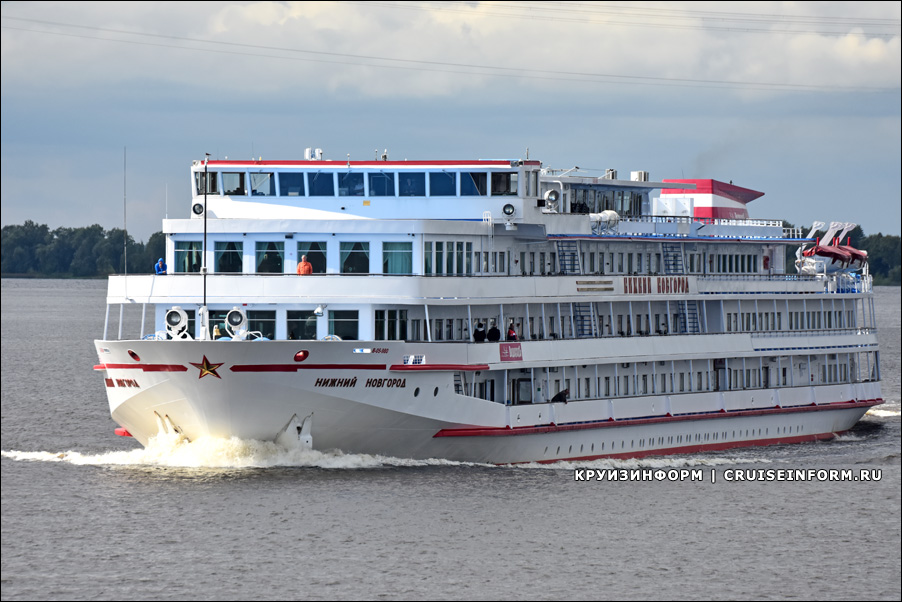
x=171, y=450
x=884, y=413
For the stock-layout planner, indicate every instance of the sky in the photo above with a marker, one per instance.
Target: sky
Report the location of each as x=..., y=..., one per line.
x=105, y=105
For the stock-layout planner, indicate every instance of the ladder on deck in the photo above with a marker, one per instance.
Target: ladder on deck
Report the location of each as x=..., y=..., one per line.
x=582, y=319
x=568, y=257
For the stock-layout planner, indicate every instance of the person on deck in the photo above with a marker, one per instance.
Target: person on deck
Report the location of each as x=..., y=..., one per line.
x=479, y=333
x=511, y=333
x=494, y=334
x=304, y=267
x=562, y=396
x=160, y=267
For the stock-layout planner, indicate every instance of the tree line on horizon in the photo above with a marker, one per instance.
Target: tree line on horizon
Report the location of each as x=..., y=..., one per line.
x=34, y=250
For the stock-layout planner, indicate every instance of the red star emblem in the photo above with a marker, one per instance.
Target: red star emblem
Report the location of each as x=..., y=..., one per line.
x=206, y=368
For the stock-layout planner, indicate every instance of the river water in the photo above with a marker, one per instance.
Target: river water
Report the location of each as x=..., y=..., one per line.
x=88, y=515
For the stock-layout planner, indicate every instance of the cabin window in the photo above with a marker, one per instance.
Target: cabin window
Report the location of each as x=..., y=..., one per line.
x=228, y=257
x=270, y=257
x=263, y=184
x=188, y=255
x=321, y=183
x=504, y=184
x=382, y=184
x=397, y=258
x=439, y=257
x=442, y=184
x=233, y=184
x=355, y=258
x=263, y=322
x=412, y=184
x=211, y=179
x=218, y=323
x=473, y=184
x=343, y=324
x=350, y=184
x=427, y=257
x=291, y=184
x=301, y=325
x=316, y=255
x=391, y=325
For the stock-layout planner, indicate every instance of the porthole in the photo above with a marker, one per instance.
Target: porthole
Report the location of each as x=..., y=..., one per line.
x=134, y=355
x=435, y=393
x=416, y=392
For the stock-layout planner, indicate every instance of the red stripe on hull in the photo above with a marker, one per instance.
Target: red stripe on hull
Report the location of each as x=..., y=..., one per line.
x=143, y=367
x=438, y=367
x=555, y=428
x=295, y=367
x=694, y=449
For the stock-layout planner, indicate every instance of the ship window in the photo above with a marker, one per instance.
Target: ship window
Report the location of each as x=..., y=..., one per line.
x=382, y=184
x=263, y=322
x=504, y=184
x=217, y=321
x=397, y=258
x=321, y=183
x=291, y=184
x=355, y=257
x=188, y=255
x=263, y=184
x=270, y=257
x=228, y=257
x=473, y=184
x=212, y=188
x=233, y=184
x=391, y=325
x=427, y=257
x=343, y=324
x=350, y=184
x=442, y=184
x=412, y=184
x=301, y=325
x=316, y=255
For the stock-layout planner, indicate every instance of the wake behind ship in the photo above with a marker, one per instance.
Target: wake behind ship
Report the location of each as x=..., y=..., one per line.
x=489, y=311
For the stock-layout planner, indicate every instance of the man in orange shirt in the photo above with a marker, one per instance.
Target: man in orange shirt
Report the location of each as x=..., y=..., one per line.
x=304, y=267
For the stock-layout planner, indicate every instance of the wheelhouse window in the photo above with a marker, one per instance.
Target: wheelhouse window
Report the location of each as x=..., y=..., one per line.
x=321, y=183
x=350, y=184
x=291, y=184
x=397, y=258
x=270, y=257
x=473, y=184
x=316, y=255
x=382, y=184
x=504, y=184
x=443, y=183
x=233, y=184
x=355, y=258
x=188, y=255
x=412, y=184
x=228, y=257
x=210, y=178
x=344, y=324
x=263, y=322
x=263, y=184
x=301, y=325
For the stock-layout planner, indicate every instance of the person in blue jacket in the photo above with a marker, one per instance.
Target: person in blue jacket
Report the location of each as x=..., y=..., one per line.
x=160, y=267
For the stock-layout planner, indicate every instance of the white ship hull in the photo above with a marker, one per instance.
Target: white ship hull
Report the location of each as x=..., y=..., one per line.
x=372, y=403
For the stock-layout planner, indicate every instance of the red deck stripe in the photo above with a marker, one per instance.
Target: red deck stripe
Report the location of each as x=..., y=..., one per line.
x=143, y=367
x=692, y=449
x=295, y=367
x=438, y=367
x=555, y=428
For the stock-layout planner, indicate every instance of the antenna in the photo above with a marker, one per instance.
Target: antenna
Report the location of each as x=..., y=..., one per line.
x=124, y=221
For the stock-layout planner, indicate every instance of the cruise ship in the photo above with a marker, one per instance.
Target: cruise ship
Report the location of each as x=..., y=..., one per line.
x=490, y=311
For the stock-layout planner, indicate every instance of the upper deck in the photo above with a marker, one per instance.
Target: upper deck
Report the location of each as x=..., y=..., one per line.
x=258, y=196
